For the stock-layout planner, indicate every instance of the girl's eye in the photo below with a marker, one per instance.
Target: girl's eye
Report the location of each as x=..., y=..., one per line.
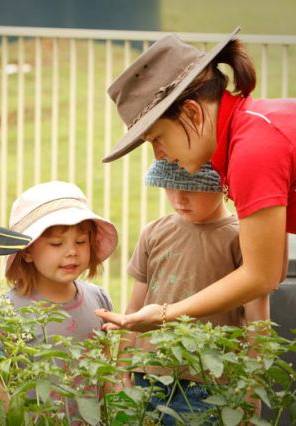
x=81, y=242
x=55, y=244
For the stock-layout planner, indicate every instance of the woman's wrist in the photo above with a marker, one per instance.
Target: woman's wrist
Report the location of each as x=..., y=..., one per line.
x=167, y=313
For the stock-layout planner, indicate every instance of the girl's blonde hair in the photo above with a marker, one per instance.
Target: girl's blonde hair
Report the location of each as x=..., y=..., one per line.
x=22, y=275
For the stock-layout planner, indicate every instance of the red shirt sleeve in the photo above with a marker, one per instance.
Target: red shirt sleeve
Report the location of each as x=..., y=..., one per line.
x=260, y=166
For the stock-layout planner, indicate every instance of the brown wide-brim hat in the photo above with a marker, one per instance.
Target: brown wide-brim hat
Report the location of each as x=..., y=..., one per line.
x=146, y=89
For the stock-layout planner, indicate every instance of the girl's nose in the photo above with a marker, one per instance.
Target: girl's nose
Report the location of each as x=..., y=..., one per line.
x=72, y=250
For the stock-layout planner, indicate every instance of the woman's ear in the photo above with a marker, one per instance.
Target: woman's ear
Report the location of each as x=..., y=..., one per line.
x=192, y=114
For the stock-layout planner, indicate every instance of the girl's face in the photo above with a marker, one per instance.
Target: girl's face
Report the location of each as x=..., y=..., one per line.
x=189, y=140
x=61, y=254
x=197, y=207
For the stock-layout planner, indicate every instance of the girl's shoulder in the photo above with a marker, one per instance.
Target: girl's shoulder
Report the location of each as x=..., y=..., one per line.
x=95, y=291
x=18, y=300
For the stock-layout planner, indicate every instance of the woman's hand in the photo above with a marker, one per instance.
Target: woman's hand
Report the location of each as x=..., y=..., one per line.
x=147, y=318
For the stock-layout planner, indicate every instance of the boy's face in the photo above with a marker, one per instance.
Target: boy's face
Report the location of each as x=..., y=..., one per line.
x=61, y=254
x=196, y=207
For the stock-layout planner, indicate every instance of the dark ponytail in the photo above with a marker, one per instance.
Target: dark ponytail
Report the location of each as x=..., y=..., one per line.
x=210, y=84
x=235, y=55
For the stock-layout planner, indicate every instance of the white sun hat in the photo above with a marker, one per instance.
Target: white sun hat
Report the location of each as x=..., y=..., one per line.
x=58, y=203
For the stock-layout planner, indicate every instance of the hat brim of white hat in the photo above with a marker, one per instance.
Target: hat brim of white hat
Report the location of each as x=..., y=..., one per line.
x=106, y=232
x=134, y=137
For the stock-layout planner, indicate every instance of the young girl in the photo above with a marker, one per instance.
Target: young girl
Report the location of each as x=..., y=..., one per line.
x=179, y=255
x=175, y=97
x=68, y=239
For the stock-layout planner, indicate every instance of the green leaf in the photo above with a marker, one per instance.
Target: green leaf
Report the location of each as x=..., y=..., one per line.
x=5, y=367
x=215, y=400
x=43, y=389
x=2, y=415
x=165, y=380
x=292, y=411
x=257, y=421
x=25, y=387
x=120, y=419
x=15, y=414
x=268, y=363
x=167, y=410
x=252, y=365
x=280, y=376
x=89, y=410
x=261, y=392
x=189, y=343
x=52, y=353
x=177, y=351
x=231, y=416
x=212, y=361
x=230, y=357
x=135, y=394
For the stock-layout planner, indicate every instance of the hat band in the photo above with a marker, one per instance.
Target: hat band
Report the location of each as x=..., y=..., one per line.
x=162, y=93
x=45, y=209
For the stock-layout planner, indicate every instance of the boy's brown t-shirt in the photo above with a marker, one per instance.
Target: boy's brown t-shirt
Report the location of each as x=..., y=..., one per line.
x=177, y=258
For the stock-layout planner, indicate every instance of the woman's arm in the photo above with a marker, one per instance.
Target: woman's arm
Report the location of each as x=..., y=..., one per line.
x=262, y=240
x=257, y=310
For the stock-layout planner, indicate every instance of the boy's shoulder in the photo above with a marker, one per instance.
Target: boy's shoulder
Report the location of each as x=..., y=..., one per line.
x=227, y=228
x=230, y=222
x=173, y=220
x=164, y=221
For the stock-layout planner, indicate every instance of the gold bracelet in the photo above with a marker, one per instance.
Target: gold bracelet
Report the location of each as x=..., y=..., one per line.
x=163, y=313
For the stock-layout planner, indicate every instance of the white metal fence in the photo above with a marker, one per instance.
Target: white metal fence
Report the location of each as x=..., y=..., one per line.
x=57, y=121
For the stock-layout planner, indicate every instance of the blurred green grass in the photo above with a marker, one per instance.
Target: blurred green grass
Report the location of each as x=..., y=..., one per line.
x=217, y=16
x=188, y=15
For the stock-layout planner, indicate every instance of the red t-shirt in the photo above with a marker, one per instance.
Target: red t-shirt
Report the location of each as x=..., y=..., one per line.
x=256, y=153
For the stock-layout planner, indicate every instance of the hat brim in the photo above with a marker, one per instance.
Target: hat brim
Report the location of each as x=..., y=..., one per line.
x=133, y=138
x=12, y=242
x=106, y=237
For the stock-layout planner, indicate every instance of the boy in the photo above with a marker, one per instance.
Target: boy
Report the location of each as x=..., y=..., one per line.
x=182, y=253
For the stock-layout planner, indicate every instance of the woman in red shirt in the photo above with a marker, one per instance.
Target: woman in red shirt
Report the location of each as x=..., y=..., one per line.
x=175, y=97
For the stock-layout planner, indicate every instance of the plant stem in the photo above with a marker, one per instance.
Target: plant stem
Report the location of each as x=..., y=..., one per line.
x=44, y=334
x=278, y=417
x=3, y=384
x=105, y=408
x=184, y=396
x=145, y=405
x=220, y=416
x=204, y=377
x=67, y=410
x=170, y=398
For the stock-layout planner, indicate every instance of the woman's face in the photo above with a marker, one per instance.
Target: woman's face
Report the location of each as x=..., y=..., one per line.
x=189, y=140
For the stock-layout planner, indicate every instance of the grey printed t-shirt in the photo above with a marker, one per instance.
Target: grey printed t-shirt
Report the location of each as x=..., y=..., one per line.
x=82, y=320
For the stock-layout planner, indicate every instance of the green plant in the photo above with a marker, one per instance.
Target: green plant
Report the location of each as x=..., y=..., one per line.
x=57, y=381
